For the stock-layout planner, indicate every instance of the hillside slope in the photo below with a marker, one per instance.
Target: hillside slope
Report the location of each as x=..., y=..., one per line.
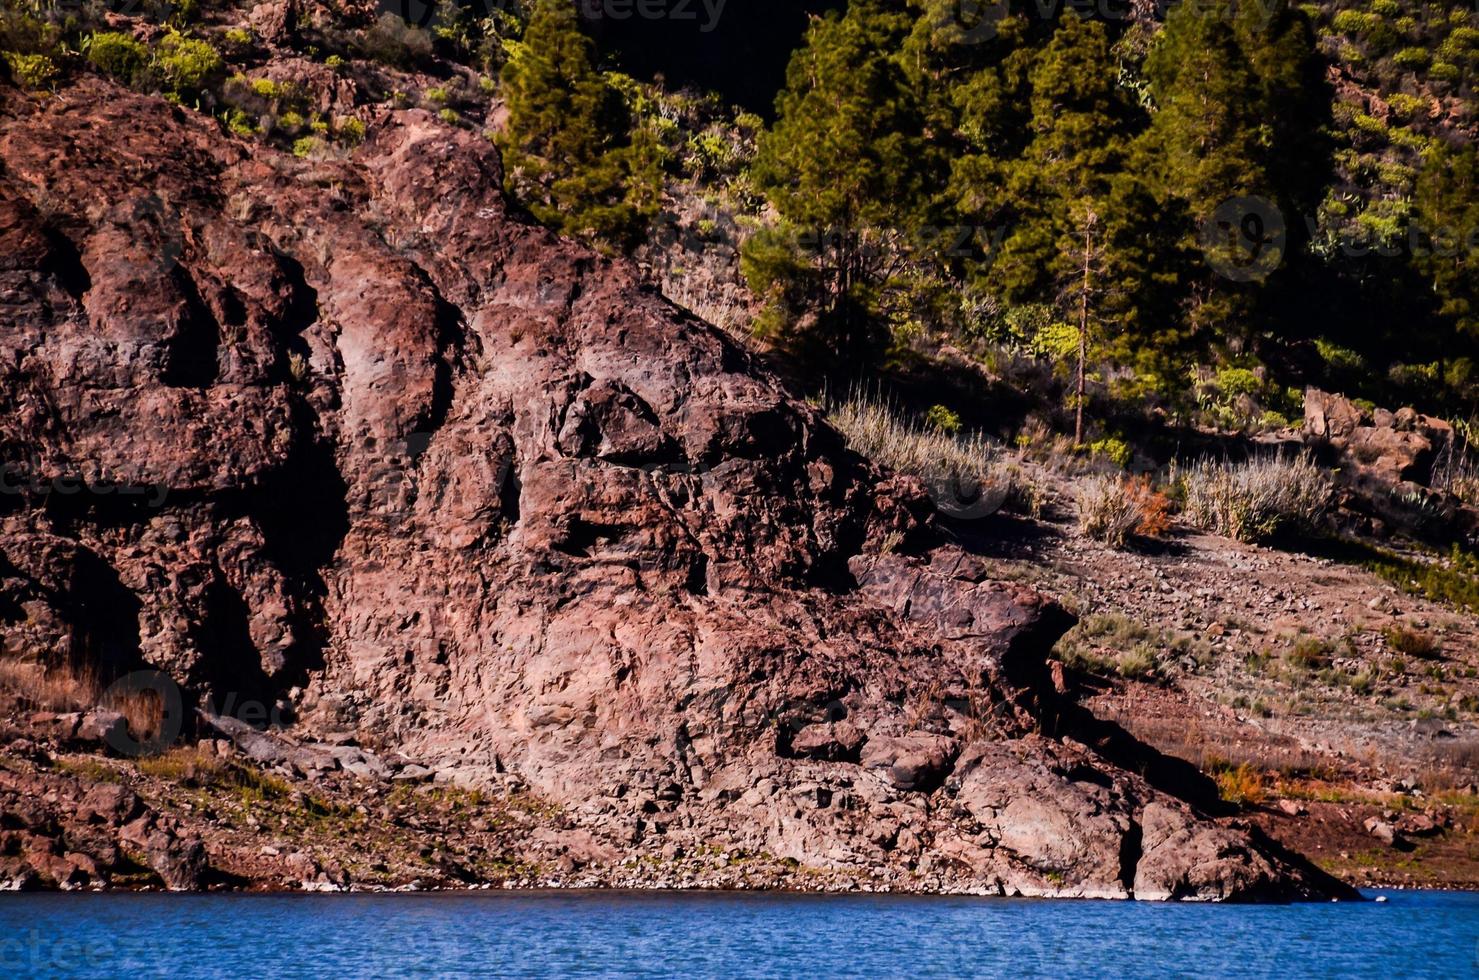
x=406, y=473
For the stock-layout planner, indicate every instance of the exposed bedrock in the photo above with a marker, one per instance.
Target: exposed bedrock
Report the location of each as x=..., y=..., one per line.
x=351, y=439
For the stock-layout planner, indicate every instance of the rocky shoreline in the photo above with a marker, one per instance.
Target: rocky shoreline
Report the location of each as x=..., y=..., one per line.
x=207, y=818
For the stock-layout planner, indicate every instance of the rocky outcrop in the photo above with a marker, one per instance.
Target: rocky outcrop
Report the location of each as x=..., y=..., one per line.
x=1392, y=467
x=346, y=446
x=1381, y=446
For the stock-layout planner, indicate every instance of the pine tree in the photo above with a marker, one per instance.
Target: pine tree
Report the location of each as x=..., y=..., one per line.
x=976, y=91
x=568, y=151
x=1447, y=201
x=1077, y=125
x=1237, y=104
x=848, y=169
x=1279, y=44
x=1210, y=128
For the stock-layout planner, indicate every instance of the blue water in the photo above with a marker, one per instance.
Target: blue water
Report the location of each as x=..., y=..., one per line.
x=1427, y=934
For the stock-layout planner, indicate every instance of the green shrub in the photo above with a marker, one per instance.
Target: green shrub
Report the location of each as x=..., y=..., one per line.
x=31, y=70
x=1411, y=58
x=1235, y=381
x=1442, y=71
x=1113, y=644
x=1137, y=664
x=1353, y=22
x=449, y=116
x=1114, y=449
x=239, y=37
x=23, y=33
x=1274, y=421
x=1369, y=124
x=1310, y=653
x=185, y=11
x=239, y=124
x=117, y=54
x=188, y=64
x=1407, y=106
x=942, y=419
x=351, y=131
x=305, y=147
x=1402, y=136
x=1454, y=581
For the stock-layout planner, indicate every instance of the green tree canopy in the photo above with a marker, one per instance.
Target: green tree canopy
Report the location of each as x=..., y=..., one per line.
x=568, y=149
x=848, y=169
x=1447, y=203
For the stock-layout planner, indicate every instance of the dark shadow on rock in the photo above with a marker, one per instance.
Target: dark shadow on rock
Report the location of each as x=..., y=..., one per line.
x=998, y=535
x=104, y=616
x=231, y=666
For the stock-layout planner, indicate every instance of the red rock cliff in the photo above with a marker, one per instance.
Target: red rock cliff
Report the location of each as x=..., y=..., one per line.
x=351, y=438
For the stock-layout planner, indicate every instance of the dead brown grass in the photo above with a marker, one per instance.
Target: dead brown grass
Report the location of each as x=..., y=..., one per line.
x=49, y=689
x=78, y=688
x=1242, y=784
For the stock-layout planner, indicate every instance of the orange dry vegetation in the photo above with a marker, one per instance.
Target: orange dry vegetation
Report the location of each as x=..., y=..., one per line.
x=1154, y=507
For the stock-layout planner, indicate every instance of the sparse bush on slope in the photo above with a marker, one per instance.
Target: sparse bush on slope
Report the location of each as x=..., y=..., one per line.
x=1254, y=500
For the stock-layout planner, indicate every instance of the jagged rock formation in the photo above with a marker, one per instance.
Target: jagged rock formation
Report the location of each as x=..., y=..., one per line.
x=1393, y=468
x=349, y=441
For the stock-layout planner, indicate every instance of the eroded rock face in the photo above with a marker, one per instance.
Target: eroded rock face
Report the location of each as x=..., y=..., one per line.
x=347, y=442
x=1381, y=446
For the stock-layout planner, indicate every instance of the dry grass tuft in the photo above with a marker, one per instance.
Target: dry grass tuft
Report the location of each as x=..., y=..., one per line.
x=942, y=458
x=1106, y=510
x=1412, y=643
x=196, y=768
x=49, y=689
x=67, y=688
x=1243, y=784
x=1254, y=500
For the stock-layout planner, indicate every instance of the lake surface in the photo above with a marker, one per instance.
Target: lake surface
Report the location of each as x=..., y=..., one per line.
x=1427, y=934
